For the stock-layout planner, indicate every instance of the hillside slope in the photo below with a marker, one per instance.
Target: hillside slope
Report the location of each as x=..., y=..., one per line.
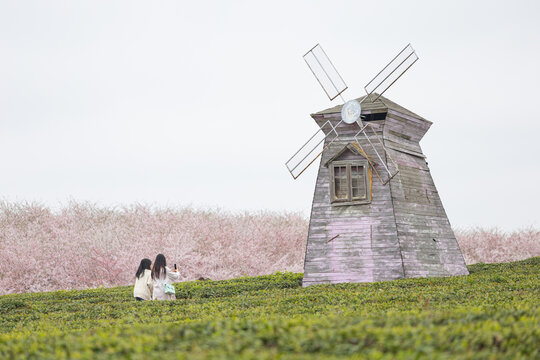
x=492, y=313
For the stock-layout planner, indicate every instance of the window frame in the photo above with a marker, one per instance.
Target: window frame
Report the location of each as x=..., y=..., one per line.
x=367, y=182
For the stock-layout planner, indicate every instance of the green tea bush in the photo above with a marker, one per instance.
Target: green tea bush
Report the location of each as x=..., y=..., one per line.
x=492, y=313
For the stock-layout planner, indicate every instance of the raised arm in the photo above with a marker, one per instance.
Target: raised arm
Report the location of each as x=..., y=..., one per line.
x=172, y=275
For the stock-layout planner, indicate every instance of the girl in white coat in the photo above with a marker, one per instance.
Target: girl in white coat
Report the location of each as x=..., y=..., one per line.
x=162, y=275
x=143, y=281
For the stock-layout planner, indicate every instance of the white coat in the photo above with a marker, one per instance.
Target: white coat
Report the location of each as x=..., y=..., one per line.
x=166, y=278
x=144, y=286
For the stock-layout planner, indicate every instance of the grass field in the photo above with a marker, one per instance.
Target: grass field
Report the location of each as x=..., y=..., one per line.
x=491, y=314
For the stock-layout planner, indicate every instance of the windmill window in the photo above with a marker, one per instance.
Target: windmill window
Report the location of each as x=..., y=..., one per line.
x=358, y=182
x=340, y=181
x=350, y=183
x=374, y=117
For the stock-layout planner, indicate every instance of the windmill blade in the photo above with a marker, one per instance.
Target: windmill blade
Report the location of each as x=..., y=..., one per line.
x=390, y=173
x=391, y=73
x=325, y=72
x=309, y=152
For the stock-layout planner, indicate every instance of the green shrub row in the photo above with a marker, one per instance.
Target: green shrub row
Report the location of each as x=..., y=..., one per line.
x=492, y=313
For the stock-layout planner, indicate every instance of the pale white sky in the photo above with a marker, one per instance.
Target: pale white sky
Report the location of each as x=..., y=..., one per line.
x=201, y=103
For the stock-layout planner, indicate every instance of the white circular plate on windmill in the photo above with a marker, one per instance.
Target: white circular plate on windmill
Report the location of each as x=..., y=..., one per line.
x=350, y=112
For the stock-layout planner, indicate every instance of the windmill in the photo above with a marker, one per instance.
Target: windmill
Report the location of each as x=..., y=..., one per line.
x=361, y=230
x=333, y=85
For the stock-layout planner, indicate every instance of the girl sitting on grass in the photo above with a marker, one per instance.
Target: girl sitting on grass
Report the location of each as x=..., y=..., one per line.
x=144, y=284
x=163, y=278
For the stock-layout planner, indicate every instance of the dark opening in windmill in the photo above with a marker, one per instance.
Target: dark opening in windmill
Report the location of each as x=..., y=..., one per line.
x=376, y=211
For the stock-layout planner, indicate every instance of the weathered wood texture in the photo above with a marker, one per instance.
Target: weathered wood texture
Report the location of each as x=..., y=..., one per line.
x=403, y=232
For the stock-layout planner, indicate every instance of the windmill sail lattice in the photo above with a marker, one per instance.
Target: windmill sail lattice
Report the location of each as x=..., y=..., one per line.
x=334, y=85
x=325, y=72
x=391, y=73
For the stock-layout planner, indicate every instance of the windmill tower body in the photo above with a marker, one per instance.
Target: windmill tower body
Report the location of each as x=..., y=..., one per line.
x=363, y=231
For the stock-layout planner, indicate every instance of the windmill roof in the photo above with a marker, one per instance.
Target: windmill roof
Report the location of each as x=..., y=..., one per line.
x=382, y=104
x=338, y=150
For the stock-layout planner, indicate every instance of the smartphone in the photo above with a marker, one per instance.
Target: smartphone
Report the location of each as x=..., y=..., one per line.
x=175, y=268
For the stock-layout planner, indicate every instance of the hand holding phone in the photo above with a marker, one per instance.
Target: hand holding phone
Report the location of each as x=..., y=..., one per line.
x=175, y=268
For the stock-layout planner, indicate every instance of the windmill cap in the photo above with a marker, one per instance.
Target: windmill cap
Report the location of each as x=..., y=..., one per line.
x=382, y=104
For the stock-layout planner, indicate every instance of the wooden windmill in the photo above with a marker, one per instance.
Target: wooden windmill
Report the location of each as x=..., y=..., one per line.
x=376, y=212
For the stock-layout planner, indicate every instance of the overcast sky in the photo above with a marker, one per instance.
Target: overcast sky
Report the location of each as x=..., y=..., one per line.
x=201, y=103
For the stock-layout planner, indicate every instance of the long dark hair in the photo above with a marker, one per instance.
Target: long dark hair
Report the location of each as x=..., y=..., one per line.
x=145, y=265
x=158, y=270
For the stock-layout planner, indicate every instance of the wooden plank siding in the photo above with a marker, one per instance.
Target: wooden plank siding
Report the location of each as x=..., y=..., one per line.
x=367, y=247
x=403, y=232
